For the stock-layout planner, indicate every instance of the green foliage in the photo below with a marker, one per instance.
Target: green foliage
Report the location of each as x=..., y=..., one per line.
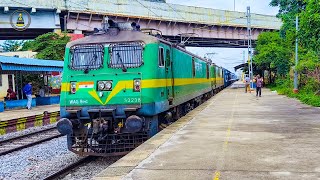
x=11, y=45
x=309, y=32
x=272, y=53
x=288, y=6
x=278, y=49
x=49, y=46
x=309, y=61
x=306, y=94
x=27, y=46
x=288, y=9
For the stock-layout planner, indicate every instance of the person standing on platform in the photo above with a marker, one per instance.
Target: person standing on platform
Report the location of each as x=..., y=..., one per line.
x=41, y=92
x=259, y=82
x=27, y=89
x=247, y=83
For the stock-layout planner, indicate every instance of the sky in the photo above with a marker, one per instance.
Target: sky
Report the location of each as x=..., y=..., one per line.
x=228, y=57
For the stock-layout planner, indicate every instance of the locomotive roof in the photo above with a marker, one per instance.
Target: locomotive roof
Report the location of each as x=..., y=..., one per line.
x=127, y=36
x=122, y=36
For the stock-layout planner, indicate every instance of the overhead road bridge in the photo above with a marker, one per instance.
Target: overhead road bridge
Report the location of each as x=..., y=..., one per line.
x=200, y=26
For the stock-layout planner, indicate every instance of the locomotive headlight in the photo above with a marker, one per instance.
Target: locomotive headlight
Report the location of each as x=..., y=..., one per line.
x=137, y=82
x=108, y=85
x=73, y=87
x=104, y=85
x=101, y=85
x=137, y=85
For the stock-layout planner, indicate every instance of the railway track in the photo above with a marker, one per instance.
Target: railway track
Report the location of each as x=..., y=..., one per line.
x=70, y=167
x=27, y=140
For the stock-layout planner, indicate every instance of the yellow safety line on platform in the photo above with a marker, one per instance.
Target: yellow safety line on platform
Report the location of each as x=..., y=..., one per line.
x=225, y=143
x=217, y=175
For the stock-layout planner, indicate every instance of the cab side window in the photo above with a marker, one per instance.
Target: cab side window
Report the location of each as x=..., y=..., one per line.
x=167, y=57
x=207, y=71
x=193, y=67
x=161, y=57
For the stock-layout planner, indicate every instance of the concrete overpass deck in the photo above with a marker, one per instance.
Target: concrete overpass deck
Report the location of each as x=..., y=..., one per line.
x=232, y=136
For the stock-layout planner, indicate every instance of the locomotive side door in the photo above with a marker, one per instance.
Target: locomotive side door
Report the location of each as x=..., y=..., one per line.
x=169, y=76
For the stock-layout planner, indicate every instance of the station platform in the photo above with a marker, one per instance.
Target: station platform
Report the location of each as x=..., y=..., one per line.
x=20, y=113
x=21, y=119
x=233, y=136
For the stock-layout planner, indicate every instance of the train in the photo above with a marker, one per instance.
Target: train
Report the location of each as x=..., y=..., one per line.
x=121, y=85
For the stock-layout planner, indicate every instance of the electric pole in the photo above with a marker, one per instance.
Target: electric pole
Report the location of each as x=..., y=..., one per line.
x=249, y=46
x=295, y=81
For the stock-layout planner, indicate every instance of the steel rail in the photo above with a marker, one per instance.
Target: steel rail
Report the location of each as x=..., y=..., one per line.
x=70, y=167
x=20, y=139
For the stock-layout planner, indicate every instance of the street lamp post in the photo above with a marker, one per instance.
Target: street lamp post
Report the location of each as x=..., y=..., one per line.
x=249, y=47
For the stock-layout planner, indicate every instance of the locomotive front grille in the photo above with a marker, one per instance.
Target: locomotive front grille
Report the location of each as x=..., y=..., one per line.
x=111, y=145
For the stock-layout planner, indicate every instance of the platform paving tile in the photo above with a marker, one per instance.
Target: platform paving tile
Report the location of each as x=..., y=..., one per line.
x=19, y=113
x=232, y=136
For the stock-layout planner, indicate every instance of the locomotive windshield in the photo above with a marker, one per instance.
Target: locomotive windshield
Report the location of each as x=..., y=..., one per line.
x=86, y=56
x=126, y=55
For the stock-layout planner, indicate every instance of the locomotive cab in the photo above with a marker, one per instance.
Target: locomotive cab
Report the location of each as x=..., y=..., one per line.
x=101, y=92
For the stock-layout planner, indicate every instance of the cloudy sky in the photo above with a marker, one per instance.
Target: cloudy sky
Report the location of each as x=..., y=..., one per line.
x=228, y=57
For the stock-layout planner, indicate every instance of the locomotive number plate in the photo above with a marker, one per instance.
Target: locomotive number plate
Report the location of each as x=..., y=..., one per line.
x=132, y=100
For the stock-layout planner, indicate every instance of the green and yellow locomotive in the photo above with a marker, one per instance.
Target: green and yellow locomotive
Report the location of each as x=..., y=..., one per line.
x=119, y=85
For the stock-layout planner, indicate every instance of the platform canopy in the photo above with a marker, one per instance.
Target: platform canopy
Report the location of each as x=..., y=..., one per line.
x=240, y=66
x=12, y=65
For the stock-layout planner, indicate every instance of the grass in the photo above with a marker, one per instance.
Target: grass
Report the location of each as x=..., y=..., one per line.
x=305, y=95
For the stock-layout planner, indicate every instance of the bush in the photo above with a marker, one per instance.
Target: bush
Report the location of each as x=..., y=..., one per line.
x=306, y=93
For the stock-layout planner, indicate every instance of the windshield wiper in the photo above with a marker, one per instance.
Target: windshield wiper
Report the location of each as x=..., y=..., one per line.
x=92, y=62
x=124, y=69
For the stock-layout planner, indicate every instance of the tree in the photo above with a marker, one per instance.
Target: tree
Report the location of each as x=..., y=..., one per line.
x=288, y=9
x=49, y=46
x=272, y=54
x=27, y=46
x=11, y=45
x=309, y=33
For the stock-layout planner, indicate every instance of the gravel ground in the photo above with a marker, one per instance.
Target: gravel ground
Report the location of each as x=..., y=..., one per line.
x=36, y=162
x=87, y=171
x=26, y=131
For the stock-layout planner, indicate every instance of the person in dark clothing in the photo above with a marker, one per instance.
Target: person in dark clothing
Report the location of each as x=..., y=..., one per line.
x=11, y=95
x=259, y=82
x=27, y=90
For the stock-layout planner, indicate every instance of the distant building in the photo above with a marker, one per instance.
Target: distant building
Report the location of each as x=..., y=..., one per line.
x=7, y=80
x=21, y=54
